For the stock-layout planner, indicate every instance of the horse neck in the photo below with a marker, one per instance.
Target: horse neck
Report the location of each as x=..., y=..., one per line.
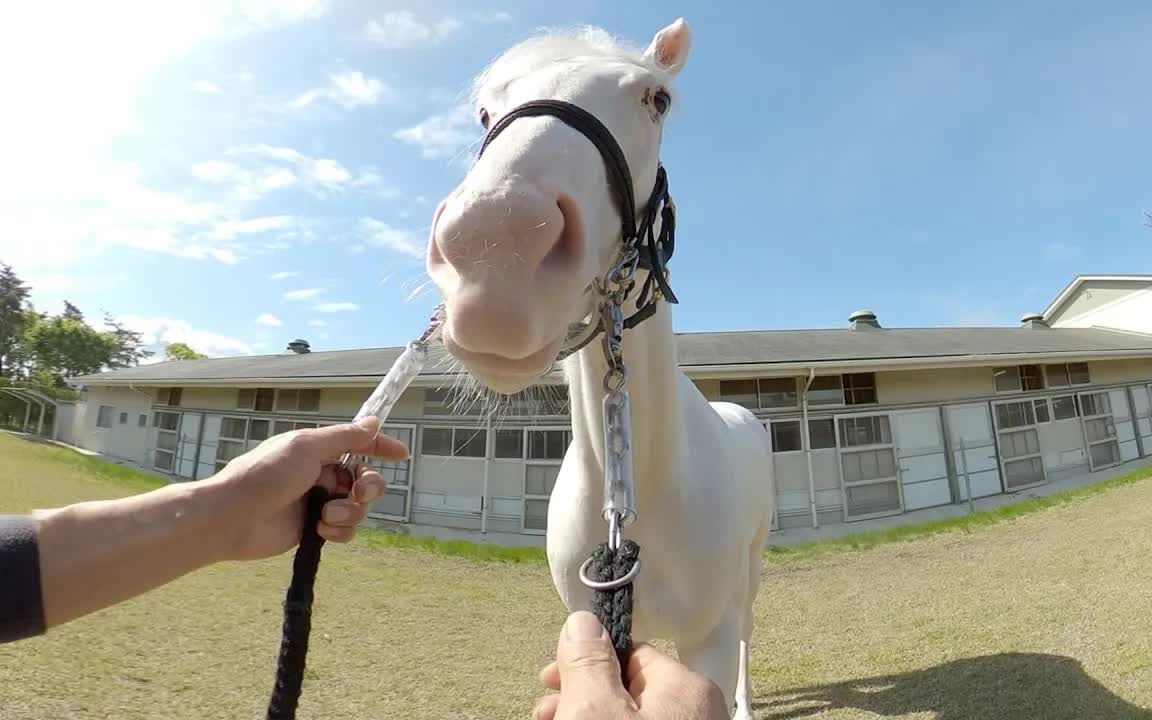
x=649, y=352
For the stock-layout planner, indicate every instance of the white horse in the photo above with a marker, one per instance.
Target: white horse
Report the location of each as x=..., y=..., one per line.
x=513, y=250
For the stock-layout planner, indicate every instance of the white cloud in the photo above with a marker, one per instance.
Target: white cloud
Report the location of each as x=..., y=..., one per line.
x=159, y=331
x=229, y=229
x=401, y=29
x=269, y=320
x=283, y=12
x=442, y=135
x=381, y=234
x=282, y=167
x=283, y=275
x=330, y=172
x=335, y=307
x=370, y=179
x=317, y=323
x=303, y=294
x=349, y=89
x=206, y=87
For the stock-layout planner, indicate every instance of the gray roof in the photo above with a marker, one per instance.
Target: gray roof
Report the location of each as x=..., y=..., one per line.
x=696, y=350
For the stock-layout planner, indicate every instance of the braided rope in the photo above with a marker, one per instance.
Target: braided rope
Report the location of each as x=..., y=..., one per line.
x=614, y=607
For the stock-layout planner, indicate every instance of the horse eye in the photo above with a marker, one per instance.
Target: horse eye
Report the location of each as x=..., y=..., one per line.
x=661, y=101
x=484, y=118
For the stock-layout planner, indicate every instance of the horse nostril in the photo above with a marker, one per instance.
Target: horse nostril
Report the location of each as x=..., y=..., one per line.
x=569, y=247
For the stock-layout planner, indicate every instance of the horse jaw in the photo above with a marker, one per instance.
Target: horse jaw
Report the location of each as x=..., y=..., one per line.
x=516, y=246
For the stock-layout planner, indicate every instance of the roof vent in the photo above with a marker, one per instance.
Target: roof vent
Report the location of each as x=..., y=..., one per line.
x=300, y=347
x=863, y=320
x=1033, y=320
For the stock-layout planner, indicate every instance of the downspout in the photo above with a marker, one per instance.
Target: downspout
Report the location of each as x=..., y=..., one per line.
x=808, y=447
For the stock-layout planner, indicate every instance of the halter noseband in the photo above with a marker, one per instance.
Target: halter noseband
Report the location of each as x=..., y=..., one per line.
x=654, y=251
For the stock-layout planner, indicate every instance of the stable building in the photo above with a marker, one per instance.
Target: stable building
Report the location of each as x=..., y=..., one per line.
x=864, y=421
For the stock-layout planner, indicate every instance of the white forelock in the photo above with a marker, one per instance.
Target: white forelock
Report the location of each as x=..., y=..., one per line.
x=586, y=43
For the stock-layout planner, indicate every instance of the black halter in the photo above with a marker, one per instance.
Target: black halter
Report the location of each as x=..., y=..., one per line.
x=654, y=251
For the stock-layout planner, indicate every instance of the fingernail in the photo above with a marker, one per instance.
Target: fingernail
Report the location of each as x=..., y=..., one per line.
x=337, y=513
x=584, y=626
x=369, y=423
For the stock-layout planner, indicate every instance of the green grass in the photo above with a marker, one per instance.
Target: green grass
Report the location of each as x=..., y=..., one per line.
x=1041, y=618
x=962, y=523
x=454, y=548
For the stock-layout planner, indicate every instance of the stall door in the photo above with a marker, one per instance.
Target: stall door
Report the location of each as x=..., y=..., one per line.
x=1125, y=424
x=871, y=483
x=974, y=450
x=210, y=441
x=922, y=459
x=189, y=435
x=1143, y=402
x=1099, y=426
x=1021, y=462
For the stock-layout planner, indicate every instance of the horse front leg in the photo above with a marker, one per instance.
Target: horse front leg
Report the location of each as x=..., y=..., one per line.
x=718, y=656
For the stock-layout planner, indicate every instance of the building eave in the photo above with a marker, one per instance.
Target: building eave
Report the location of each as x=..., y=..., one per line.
x=696, y=372
x=1070, y=290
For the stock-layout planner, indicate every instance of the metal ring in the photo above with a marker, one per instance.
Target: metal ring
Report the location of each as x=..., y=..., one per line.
x=611, y=584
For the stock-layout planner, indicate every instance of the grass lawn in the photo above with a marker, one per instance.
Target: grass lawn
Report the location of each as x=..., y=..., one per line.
x=1043, y=616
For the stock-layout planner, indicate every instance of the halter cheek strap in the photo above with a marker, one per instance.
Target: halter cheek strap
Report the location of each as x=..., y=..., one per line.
x=654, y=250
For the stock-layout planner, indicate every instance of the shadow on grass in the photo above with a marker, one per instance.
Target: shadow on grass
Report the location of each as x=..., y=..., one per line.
x=1011, y=686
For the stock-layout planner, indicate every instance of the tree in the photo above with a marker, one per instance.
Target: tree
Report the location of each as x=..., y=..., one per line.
x=62, y=347
x=129, y=350
x=13, y=301
x=181, y=351
x=72, y=312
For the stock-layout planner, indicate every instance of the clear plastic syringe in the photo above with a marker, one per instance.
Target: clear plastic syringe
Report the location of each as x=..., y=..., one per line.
x=403, y=371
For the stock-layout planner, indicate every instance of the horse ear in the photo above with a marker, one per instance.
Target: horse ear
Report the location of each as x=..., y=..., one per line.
x=670, y=46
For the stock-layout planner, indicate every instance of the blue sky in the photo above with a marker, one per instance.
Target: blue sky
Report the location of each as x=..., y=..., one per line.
x=238, y=174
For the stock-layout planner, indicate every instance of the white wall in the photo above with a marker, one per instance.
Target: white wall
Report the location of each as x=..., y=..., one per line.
x=127, y=440
x=1121, y=308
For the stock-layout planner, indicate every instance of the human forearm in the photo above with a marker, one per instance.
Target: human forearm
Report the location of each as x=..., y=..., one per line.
x=96, y=554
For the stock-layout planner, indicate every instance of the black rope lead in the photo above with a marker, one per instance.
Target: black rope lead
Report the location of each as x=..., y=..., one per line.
x=298, y=613
x=614, y=607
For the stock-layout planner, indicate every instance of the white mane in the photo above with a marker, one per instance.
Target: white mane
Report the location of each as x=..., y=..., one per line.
x=582, y=44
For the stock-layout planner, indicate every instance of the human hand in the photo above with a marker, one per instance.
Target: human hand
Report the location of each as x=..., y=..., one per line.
x=261, y=493
x=587, y=674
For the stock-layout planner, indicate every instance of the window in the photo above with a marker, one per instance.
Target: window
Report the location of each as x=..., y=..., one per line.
x=235, y=428
x=467, y=442
x=535, y=514
x=142, y=421
x=1095, y=404
x=258, y=430
x=509, y=444
x=123, y=418
x=451, y=402
x=1015, y=414
x=1030, y=378
x=298, y=401
x=169, y=396
x=740, y=392
x=284, y=426
x=859, y=431
x=786, y=436
x=1065, y=407
x=550, y=400
x=167, y=423
x=778, y=393
x=822, y=434
x=454, y=442
x=548, y=444
x=860, y=389
x=1066, y=374
x=1006, y=379
x=259, y=399
x=104, y=416
x=1041, y=407
x=762, y=394
x=826, y=390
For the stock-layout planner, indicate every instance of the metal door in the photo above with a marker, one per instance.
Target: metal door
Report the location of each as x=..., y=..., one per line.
x=974, y=449
x=1018, y=435
x=922, y=458
x=870, y=478
x=1100, y=438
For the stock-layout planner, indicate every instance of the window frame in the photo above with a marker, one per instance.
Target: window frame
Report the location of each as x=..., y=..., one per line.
x=161, y=430
x=164, y=396
x=527, y=497
x=281, y=393
x=452, y=430
x=1044, y=372
x=101, y=423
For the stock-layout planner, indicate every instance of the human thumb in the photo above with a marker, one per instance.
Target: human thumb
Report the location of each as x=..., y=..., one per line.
x=332, y=440
x=586, y=659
